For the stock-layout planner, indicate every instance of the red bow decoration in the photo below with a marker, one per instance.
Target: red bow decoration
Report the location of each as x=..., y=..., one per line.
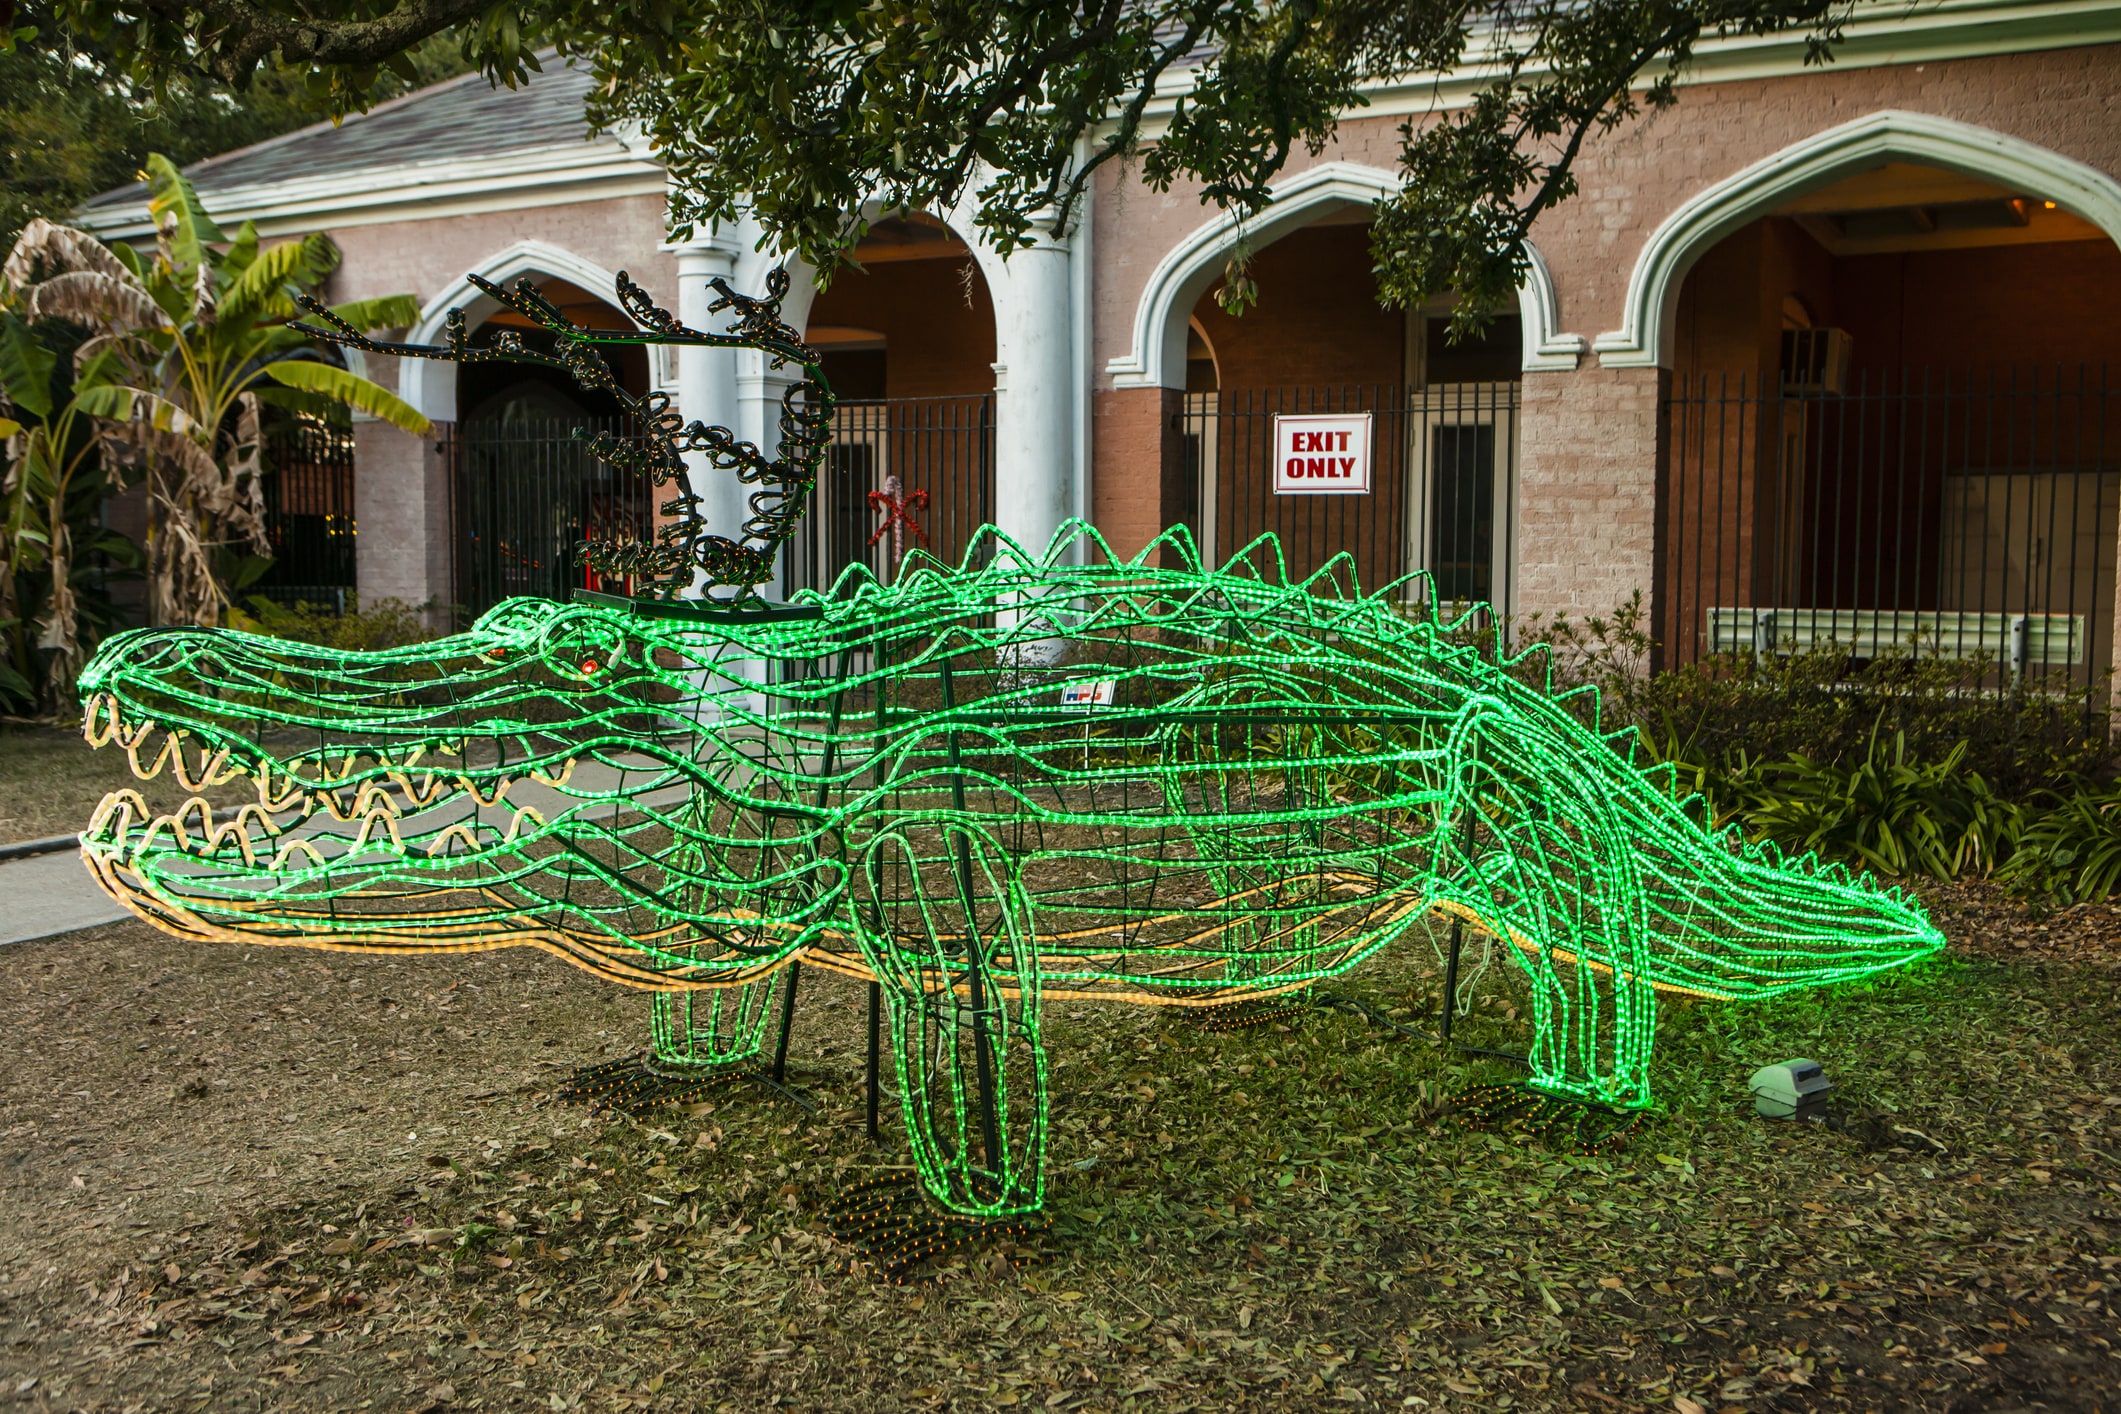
x=898, y=517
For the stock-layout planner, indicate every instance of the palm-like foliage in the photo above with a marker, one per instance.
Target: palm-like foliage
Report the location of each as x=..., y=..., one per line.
x=49, y=517
x=195, y=341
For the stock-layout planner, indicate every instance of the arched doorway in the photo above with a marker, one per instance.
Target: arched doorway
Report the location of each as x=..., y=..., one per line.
x=1438, y=417
x=1891, y=427
x=907, y=337
x=525, y=491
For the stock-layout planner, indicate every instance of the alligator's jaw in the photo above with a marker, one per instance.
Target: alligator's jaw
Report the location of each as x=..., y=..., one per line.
x=364, y=854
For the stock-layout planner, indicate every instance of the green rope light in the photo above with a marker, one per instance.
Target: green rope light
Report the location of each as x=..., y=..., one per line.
x=1289, y=777
x=899, y=782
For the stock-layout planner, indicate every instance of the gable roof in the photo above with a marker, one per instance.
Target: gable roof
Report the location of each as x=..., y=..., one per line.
x=421, y=154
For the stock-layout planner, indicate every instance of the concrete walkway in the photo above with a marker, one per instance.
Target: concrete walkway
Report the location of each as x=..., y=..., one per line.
x=48, y=894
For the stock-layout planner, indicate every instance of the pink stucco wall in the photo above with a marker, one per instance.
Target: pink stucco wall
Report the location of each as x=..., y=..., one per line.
x=1633, y=178
x=423, y=258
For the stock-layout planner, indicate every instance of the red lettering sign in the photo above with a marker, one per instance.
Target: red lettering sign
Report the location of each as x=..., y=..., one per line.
x=1322, y=454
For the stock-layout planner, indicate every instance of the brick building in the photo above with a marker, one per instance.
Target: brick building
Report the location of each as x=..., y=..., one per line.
x=1820, y=352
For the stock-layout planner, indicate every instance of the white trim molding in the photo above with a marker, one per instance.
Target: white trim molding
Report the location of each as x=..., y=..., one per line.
x=1644, y=339
x=1158, y=356
x=1546, y=348
x=1879, y=33
x=431, y=385
x=600, y=169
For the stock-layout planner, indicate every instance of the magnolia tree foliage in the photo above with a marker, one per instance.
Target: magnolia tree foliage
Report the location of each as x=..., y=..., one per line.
x=802, y=112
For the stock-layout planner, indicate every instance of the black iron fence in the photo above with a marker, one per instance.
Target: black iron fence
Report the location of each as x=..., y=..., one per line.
x=1956, y=515
x=901, y=474
x=1442, y=485
x=524, y=495
x=308, y=486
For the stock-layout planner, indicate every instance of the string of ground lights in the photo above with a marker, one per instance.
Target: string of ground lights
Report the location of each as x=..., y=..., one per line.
x=1044, y=772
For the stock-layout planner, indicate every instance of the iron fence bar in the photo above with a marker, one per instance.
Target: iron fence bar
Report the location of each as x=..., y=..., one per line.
x=2100, y=542
x=1924, y=510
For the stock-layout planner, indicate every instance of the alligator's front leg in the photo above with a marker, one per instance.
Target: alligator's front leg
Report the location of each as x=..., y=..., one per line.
x=697, y=1038
x=703, y=1033
x=963, y=1008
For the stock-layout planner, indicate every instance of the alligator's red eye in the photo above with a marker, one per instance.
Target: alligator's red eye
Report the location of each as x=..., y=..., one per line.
x=497, y=654
x=589, y=665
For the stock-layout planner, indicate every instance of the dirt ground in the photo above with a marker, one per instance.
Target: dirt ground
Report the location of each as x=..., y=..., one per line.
x=240, y=1178
x=51, y=782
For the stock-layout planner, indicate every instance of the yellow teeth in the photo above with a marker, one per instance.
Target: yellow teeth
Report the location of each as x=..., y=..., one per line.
x=565, y=773
x=292, y=848
x=373, y=799
x=125, y=827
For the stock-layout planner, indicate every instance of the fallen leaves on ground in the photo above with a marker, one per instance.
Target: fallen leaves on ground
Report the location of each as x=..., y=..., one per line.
x=306, y=1181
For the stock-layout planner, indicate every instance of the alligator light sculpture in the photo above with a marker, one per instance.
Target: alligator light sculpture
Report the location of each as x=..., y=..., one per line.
x=980, y=786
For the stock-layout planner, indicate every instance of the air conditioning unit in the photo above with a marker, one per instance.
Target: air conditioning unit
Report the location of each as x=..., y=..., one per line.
x=1815, y=360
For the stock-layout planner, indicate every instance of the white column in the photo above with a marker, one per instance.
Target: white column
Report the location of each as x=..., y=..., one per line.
x=1035, y=395
x=707, y=378
x=707, y=392
x=759, y=391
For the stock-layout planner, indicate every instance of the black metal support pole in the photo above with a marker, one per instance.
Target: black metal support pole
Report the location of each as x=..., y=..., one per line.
x=1450, y=978
x=824, y=797
x=876, y=1006
x=1458, y=924
x=975, y=951
x=780, y=1048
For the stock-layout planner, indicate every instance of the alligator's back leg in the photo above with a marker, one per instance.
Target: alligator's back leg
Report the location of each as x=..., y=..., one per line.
x=1552, y=870
x=944, y=920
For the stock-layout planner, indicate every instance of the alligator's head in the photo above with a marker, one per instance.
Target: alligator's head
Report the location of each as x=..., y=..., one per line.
x=567, y=776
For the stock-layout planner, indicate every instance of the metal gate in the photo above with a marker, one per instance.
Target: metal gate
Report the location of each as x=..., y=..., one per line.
x=524, y=495
x=1443, y=486
x=308, y=486
x=1952, y=515
x=901, y=474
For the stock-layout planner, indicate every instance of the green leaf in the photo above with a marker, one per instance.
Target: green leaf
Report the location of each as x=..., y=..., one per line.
x=295, y=401
x=128, y=257
x=120, y=550
x=16, y=688
x=9, y=427
x=248, y=571
x=116, y=403
x=383, y=312
x=300, y=263
x=170, y=193
x=242, y=250
x=25, y=366
x=351, y=389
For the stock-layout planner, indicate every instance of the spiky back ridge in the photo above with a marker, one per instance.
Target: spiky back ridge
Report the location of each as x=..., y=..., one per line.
x=1401, y=618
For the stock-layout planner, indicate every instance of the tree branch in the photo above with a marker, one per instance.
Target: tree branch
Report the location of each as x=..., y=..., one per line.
x=242, y=34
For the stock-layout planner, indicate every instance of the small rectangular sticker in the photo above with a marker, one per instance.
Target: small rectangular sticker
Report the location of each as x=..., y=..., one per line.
x=1322, y=454
x=1089, y=694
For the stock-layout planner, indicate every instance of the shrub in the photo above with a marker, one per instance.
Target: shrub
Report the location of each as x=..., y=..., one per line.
x=1887, y=811
x=1734, y=708
x=389, y=623
x=2071, y=851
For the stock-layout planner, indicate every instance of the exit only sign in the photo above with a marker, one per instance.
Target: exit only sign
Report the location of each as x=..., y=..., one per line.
x=1322, y=454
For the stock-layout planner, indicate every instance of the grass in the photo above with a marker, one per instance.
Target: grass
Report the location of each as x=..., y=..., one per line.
x=51, y=782
x=246, y=1178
